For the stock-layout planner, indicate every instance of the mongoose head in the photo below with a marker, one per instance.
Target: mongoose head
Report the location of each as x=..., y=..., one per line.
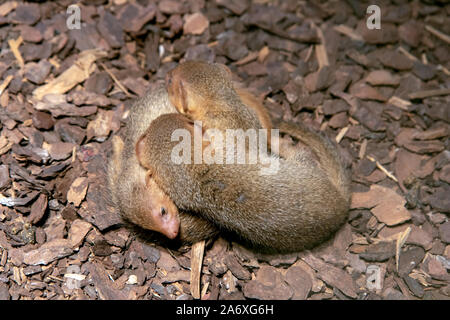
x=193, y=83
x=158, y=211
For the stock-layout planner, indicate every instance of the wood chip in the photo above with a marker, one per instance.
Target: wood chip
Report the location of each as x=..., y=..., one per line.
x=7, y=7
x=77, y=73
x=349, y=32
x=384, y=203
x=14, y=44
x=399, y=102
x=115, y=80
x=390, y=175
x=333, y=276
x=5, y=83
x=407, y=54
x=195, y=24
x=429, y=93
x=341, y=134
x=77, y=190
x=362, y=149
x=321, y=50
x=438, y=34
x=402, y=237
x=263, y=53
x=196, y=268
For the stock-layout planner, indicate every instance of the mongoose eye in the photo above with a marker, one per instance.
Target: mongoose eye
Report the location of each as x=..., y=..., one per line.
x=163, y=211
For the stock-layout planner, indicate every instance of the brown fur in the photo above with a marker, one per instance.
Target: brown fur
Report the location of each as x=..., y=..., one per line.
x=136, y=198
x=204, y=91
x=296, y=208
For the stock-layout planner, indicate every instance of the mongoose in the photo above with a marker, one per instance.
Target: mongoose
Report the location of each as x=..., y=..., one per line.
x=205, y=91
x=144, y=205
x=297, y=207
x=314, y=173
x=152, y=208
x=134, y=194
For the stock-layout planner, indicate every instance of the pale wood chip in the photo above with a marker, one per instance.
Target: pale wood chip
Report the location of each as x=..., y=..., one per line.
x=196, y=267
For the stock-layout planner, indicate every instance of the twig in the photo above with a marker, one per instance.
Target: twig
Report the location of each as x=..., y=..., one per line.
x=14, y=45
x=424, y=58
x=406, y=53
x=309, y=53
x=438, y=34
x=362, y=149
x=248, y=58
x=115, y=79
x=379, y=166
x=341, y=134
x=399, y=103
x=400, y=242
x=440, y=67
x=5, y=83
x=301, y=38
x=349, y=32
x=204, y=290
x=196, y=268
x=321, y=50
x=213, y=44
x=429, y=93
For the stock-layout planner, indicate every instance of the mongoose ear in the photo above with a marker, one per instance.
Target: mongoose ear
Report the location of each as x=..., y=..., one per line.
x=148, y=176
x=140, y=149
x=183, y=96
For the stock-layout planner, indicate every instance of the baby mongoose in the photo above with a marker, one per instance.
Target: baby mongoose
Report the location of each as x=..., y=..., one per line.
x=138, y=198
x=296, y=208
x=134, y=193
x=205, y=91
x=153, y=209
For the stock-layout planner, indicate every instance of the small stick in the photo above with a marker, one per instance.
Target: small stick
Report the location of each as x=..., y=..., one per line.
x=429, y=93
x=440, y=67
x=321, y=50
x=438, y=34
x=406, y=53
x=349, y=32
x=424, y=58
x=401, y=284
x=74, y=154
x=213, y=44
x=309, y=53
x=204, y=290
x=399, y=103
x=5, y=83
x=390, y=175
x=196, y=268
x=248, y=58
x=362, y=149
x=115, y=79
x=14, y=45
x=301, y=38
x=341, y=134
x=400, y=242
x=263, y=53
